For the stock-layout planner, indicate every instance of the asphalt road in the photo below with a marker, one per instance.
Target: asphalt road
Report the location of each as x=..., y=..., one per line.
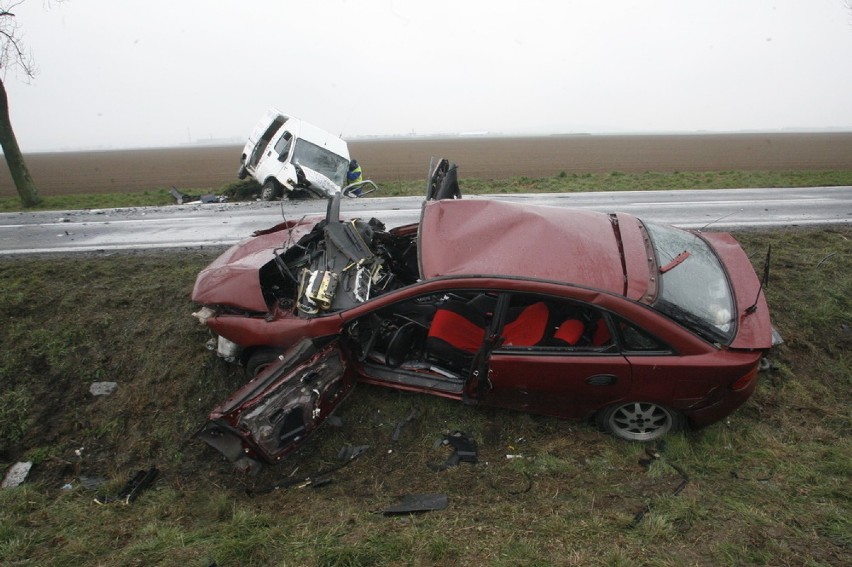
x=197, y=225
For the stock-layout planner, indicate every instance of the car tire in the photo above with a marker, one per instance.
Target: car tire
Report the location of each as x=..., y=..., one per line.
x=260, y=358
x=271, y=190
x=242, y=172
x=639, y=421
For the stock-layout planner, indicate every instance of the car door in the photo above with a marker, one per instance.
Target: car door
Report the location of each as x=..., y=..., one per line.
x=273, y=414
x=559, y=359
x=261, y=136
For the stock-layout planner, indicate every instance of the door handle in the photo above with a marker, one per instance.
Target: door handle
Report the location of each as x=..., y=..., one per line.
x=602, y=380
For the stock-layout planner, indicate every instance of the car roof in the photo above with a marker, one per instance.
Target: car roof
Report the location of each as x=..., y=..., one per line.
x=489, y=237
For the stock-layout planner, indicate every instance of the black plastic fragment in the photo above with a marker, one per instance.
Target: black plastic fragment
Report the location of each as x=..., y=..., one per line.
x=139, y=482
x=464, y=450
x=397, y=431
x=349, y=452
x=416, y=503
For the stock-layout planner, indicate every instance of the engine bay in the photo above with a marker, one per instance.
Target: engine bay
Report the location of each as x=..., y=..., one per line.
x=340, y=264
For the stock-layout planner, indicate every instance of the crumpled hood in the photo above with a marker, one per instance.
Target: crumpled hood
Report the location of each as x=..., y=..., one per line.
x=233, y=279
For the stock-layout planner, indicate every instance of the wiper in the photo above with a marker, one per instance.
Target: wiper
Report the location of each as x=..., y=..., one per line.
x=677, y=261
x=695, y=323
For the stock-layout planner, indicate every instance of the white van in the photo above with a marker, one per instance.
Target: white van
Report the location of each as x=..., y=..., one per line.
x=284, y=153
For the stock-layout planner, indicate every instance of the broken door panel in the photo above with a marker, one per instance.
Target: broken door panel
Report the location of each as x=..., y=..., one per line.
x=273, y=414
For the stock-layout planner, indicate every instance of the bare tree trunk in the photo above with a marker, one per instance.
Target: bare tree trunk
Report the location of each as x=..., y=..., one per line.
x=14, y=157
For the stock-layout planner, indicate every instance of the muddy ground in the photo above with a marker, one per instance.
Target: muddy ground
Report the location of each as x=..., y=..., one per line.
x=487, y=158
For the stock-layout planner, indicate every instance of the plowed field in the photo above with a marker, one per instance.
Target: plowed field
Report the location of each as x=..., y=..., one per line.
x=478, y=157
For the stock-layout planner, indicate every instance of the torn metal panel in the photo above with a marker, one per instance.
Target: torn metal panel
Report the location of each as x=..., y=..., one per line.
x=273, y=414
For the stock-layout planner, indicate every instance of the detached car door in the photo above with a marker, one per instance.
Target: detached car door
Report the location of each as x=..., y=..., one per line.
x=273, y=414
x=555, y=357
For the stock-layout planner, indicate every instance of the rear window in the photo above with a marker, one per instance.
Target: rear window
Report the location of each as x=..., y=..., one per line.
x=693, y=287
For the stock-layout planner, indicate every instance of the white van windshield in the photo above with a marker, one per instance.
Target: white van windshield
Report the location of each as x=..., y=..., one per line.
x=319, y=159
x=693, y=285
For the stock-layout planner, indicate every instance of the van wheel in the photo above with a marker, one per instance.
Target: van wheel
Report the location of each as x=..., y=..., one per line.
x=271, y=190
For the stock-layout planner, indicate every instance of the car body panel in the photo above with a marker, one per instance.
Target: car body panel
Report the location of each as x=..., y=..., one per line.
x=494, y=237
x=275, y=331
x=689, y=384
x=555, y=383
x=233, y=280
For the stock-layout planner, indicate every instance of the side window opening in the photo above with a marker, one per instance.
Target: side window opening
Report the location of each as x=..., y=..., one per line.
x=263, y=141
x=547, y=324
x=282, y=146
x=436, y=334
x=637, y=340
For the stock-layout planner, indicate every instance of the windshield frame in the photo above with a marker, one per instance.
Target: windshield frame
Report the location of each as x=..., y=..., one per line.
x=692, y=260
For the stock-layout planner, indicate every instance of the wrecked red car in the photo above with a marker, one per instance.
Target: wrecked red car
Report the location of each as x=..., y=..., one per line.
x=644, y=328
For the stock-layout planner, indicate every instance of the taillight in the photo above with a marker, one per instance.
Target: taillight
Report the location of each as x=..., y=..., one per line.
x=746, y=380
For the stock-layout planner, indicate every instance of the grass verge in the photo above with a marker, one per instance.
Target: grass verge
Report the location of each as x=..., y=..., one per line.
x=769, y=486
x=562, y=182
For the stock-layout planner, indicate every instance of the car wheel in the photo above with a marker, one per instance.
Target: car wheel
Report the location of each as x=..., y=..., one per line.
x=271, y=190
x=260, y=359
x=639, y=421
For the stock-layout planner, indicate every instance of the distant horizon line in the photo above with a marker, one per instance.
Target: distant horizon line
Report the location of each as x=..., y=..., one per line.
x=236, y=141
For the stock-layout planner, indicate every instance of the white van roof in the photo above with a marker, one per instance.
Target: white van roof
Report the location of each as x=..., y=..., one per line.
x=309, y=132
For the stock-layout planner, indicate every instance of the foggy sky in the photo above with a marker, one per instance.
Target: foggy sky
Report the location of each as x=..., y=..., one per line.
x=130, y=73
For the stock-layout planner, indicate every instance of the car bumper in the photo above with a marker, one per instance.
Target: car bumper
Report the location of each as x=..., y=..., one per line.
x=722, y=408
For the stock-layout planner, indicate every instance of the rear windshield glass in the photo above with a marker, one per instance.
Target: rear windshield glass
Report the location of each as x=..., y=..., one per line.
x=319, y=159
x=693, y=286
